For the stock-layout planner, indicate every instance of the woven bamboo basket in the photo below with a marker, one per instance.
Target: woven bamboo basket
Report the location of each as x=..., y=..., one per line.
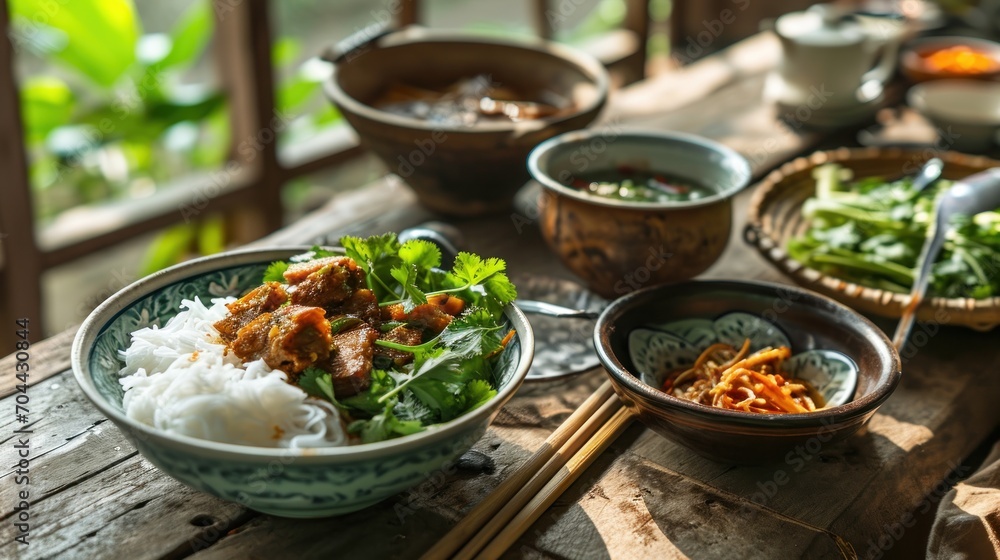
x=775, y=217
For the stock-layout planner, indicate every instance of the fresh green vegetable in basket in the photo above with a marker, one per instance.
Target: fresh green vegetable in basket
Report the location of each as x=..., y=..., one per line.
x=870, y=232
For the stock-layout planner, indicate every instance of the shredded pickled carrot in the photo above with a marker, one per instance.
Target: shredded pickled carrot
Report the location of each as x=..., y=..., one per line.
x=725, y=377
x=503, y=343
x=507, y=338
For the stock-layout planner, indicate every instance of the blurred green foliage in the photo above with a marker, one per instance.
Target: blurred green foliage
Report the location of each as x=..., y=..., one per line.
x=112, y=112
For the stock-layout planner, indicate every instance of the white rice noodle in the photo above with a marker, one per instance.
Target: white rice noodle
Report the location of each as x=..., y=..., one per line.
x=180, y=379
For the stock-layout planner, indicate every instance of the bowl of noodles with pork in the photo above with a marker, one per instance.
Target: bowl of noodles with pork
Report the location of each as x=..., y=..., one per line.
x=745, y=372
x=307, y=382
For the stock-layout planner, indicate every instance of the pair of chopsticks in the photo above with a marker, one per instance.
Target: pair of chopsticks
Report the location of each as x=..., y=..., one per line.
x=494, y=524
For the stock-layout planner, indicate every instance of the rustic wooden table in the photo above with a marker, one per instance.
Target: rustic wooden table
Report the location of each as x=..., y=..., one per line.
x=93, y=496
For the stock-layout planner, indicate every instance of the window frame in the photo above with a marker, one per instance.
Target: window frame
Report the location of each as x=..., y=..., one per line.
x=250, y=197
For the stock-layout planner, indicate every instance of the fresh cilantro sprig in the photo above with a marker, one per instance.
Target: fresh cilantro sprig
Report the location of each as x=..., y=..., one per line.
x=377, y=256
x=435, y=362
x=420, y=253
x=382, y=426
x=476, y=280
x=318, y=383
x=406, y=275
x=276, y=271
x=476, y=333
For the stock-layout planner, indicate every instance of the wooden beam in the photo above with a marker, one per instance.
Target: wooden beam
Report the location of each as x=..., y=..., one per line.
x=539, y=12
x=22, y=264
x=329, y=159
x=234, y=64
x=270, y=124
x=409, y=13
x=637, y=21
x=244, y=62
x=637, y=18
x=186, y=203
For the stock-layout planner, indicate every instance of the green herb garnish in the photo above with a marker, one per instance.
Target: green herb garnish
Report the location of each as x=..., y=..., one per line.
x=871, y=231
x=450, y=374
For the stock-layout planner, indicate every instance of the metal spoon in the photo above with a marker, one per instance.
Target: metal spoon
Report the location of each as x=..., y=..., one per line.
x=970, y=196
x=553, y=310
x=929, y=173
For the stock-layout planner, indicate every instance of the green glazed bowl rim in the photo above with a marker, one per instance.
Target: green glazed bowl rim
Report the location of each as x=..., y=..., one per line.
x=538, y=159
x=94, y=324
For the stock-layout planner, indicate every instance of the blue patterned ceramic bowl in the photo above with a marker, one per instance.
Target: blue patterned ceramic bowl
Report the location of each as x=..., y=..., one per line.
x=771, y=313
x=286, y=482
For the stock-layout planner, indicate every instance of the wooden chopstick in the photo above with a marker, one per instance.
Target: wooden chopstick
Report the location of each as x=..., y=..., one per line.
x=496, y=500
x=558, y=484
x=906, y=320
x=541, y=478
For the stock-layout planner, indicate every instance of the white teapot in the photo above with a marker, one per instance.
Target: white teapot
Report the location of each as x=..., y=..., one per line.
x=832, y=60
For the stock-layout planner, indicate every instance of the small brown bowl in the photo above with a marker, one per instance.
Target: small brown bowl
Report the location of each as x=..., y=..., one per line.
x=453, y=169
x=809, y=319
x=915, y=68
x=618, y=246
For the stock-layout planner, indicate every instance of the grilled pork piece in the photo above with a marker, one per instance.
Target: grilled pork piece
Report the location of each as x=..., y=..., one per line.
x=428, y=317
x=361, y=304
x=290, y=338
x=262, y=299
x=324, y=282
x=350, y=362
x=401, y=335
x=297, y=272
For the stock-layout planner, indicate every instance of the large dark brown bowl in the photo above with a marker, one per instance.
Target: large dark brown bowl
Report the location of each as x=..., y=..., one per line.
x=463, y=170
x=809, y=319
x=618, y=246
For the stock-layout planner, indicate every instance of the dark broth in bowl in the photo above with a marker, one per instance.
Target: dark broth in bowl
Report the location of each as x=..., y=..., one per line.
x=469, y=101
x=638, y=185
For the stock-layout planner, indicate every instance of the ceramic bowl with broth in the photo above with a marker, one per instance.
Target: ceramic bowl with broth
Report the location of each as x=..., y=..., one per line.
x=454, y=165
x=632, y=209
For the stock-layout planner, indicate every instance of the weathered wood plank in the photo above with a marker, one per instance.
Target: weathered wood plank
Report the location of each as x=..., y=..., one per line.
x=127, y=511
x=627, y=506
x=46, y=358
x=71, y=440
